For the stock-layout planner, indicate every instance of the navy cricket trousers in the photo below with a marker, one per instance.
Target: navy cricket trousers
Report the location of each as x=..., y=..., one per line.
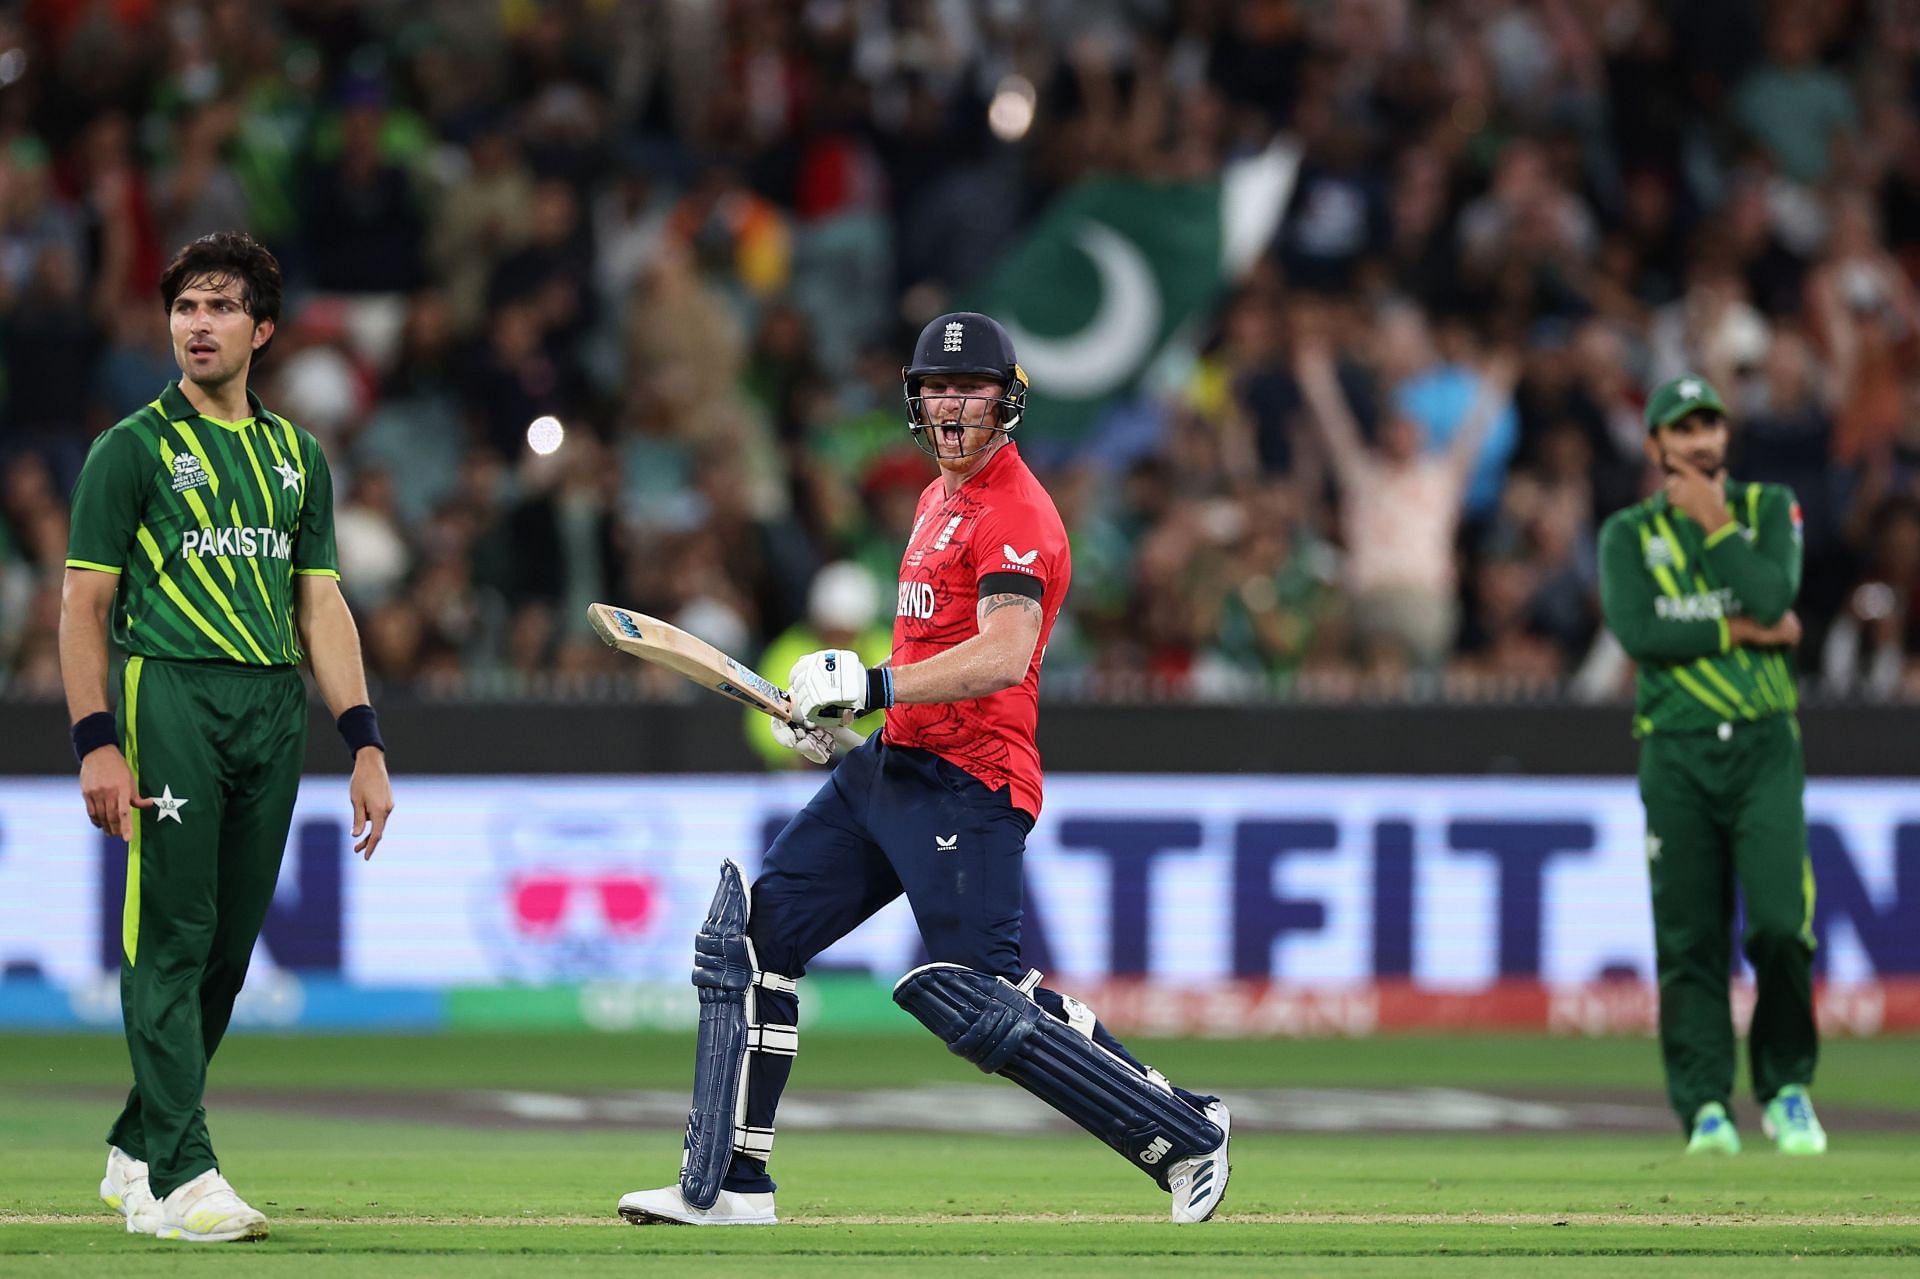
x=889, y=820
x=893, y=820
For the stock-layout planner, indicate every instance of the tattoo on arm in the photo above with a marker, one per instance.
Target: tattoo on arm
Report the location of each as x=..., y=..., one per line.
x=994, y=603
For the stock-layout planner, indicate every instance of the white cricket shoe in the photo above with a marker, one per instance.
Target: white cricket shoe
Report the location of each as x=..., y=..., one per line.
x=125, y=1190
x=207, y=1210
x=1198, y=1184
x=667, y=1206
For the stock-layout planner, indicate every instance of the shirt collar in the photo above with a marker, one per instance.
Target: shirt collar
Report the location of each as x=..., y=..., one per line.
x=994, y=463
x=174, y=403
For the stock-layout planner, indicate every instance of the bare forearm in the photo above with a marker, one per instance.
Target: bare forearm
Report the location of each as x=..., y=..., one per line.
x=1333, y=419
x=333, y=649
x=1496, y=392
x=973, y=668
x=995, y=659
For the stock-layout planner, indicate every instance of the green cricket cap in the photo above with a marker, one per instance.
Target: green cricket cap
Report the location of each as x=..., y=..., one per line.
x=1677, y=397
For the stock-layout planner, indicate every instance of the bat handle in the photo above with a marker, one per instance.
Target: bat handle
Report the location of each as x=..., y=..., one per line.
x=847, y=737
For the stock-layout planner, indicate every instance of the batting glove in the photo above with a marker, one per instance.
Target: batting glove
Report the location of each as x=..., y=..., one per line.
x=814, y=743
x=833, y=685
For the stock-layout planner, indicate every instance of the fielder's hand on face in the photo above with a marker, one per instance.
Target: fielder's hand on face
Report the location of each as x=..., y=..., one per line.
x=1697, y=494
x=814, y=743
x=827, y=686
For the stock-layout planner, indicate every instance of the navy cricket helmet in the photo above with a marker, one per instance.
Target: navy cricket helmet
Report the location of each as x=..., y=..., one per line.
x=964, y=342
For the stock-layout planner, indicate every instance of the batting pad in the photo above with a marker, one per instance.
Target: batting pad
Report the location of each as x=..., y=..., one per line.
x=726, y=973
x=998, y=1027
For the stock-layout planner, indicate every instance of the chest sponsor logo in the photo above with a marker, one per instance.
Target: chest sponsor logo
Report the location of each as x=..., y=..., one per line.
x=270, y=542
x=916, y=600
x=188, y=473
x=1708, y=607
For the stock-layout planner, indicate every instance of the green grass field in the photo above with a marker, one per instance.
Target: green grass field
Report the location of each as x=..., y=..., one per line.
x=382, y=1192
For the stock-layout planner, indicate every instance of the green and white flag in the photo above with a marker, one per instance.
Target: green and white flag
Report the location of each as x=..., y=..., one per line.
x=1116, y=271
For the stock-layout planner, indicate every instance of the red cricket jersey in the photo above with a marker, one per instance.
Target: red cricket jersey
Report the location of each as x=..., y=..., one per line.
x=1000, y=522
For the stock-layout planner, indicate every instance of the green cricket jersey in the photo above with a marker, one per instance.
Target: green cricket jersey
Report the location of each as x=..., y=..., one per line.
x=207, y=523
x=1667, y=590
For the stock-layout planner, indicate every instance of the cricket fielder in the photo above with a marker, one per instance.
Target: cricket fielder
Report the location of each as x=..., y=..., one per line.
x=202, y=536
x=936, y=805
x=1698, y=582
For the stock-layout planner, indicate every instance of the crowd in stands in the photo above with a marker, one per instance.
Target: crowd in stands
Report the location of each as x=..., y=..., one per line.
x=703, y=235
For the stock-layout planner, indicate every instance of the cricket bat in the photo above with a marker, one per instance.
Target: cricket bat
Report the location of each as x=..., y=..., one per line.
x=652, y=640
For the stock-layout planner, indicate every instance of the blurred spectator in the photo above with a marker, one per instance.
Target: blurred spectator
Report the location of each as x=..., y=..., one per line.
x=1866, y=310
x=1873, y=647
x=1339, y=211
x=567, y=552
x=1280, y=591
x=374, y=558
x=1436, y=390
x=196, y=193
x=365, y=233
x=1400, y=508
x=843, y=604
x=690, y=232
x=481, y=215
x=1799, y=111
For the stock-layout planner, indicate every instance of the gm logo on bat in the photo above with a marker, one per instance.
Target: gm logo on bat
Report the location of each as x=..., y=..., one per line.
x=628, y=625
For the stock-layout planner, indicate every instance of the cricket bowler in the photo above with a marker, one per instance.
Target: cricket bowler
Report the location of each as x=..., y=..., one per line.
x=936, y=805
x=202, y=538
x=1698, y=582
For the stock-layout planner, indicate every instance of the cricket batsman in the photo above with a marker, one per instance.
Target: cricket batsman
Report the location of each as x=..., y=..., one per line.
x=1698, y=582
x=202, y=540
x=936, y=805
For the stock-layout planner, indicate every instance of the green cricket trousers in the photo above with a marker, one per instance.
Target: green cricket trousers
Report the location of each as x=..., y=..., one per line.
x=221, y=747
x=1726, y=807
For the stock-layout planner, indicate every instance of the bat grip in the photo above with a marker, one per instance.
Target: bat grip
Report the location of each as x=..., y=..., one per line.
x=847, y=737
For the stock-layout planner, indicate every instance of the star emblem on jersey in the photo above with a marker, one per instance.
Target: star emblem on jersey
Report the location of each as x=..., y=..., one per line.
x=289, y=475
x=168, y=807
x=1653, y=847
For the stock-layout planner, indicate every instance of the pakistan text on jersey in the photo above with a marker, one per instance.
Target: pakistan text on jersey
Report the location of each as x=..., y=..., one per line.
x=270, y=542
x=1710, y=607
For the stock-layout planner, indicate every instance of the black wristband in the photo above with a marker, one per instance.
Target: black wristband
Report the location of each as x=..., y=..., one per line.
x=361, y=727
x=92, y=732
x=879, y=688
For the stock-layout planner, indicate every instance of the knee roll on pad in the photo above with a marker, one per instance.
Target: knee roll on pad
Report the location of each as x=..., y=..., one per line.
x=998, y=1027
x=726, y=973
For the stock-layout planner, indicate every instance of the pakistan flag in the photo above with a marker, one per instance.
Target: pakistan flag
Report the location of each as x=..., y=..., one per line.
x=1118, y=270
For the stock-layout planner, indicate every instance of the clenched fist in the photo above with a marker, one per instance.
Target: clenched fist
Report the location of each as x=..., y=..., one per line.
x=832, y=686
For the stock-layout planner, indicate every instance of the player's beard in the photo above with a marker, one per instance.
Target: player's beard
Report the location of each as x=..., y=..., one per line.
x=216, y=373
x=973, y=442
x=1712, y=465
